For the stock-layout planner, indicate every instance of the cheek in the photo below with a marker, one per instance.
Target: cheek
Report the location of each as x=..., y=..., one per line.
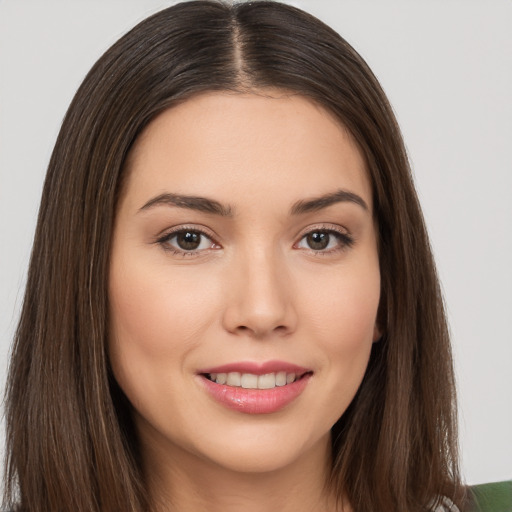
x=343, y=322
x=156, y=309
x=156, y=319
x=344, y=309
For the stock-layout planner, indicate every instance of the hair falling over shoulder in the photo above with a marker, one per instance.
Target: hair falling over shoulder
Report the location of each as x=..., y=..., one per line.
x=71, y=444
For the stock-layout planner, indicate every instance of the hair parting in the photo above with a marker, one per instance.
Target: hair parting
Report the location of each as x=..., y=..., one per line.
x=71, y=443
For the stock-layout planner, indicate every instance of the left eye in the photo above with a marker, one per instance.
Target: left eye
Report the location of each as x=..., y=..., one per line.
x=188, y=240
x=322, y=240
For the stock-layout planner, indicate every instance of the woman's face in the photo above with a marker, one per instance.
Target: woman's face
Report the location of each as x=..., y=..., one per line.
x=244, y=280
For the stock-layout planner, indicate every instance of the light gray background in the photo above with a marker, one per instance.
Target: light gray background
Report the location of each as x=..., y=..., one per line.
x=447, y=68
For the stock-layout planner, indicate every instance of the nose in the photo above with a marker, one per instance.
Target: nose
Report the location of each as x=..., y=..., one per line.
x=259, y=301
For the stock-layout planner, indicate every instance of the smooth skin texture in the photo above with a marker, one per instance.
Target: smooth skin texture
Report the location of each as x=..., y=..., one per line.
x=260, y=279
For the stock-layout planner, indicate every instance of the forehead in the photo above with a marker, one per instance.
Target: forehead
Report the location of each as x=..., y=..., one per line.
x=231, y=144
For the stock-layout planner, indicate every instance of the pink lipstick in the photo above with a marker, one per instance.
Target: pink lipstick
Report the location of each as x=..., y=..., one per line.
x=255, y=388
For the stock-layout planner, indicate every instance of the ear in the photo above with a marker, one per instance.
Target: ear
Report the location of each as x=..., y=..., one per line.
x=377, y=333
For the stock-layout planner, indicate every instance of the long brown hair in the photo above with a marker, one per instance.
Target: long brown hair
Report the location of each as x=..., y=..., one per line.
x=71, y=445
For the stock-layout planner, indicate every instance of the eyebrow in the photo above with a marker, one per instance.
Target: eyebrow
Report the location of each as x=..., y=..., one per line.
x=206, y=205
x=318, y=203
x=201, y=204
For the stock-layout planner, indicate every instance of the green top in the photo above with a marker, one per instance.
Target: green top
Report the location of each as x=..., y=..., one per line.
x=493, y=497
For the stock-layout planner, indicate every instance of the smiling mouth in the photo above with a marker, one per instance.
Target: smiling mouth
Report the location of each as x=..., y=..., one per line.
x=255, y=388
x=253, y=381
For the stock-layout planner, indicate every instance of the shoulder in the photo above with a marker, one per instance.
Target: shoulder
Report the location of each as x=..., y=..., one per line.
x=492, y=497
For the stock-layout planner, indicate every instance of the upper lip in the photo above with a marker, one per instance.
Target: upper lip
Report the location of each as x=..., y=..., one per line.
x=257, y=368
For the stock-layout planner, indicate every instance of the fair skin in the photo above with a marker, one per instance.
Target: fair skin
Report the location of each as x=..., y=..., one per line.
x=261, y=275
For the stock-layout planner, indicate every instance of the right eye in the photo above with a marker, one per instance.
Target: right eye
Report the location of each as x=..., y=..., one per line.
x=187, y=241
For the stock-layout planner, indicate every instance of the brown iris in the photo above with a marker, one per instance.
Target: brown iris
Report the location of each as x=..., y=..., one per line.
x=318, y=240
x=188, y=240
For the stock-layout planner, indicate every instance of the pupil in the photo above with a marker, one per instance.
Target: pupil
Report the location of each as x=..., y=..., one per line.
x=318, y=240
x=188, y=240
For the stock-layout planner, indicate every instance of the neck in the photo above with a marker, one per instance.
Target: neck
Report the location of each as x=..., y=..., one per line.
x=181, y=481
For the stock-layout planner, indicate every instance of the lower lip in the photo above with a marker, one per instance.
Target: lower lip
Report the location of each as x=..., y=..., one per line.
x=256, y=401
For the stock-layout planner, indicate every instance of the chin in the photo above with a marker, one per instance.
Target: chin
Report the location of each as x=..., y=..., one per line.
x=257, y=453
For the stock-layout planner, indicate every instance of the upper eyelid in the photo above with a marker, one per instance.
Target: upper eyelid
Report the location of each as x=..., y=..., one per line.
x=167, y=233
x=327, y=226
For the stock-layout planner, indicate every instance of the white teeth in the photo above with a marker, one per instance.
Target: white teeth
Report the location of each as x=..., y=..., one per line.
x=290, y=377
x=234, y=379
x=267, y=381
x=221, y=378
x=251, y=381
x=280, y=378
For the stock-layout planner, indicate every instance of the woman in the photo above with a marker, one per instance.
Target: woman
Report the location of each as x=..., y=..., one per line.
x=231, y=302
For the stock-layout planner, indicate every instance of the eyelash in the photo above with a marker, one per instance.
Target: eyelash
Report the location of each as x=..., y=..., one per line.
x=164, y=240
x=345, y=240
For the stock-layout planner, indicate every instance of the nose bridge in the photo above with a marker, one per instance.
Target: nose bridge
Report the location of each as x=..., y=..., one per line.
x=260, y=301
